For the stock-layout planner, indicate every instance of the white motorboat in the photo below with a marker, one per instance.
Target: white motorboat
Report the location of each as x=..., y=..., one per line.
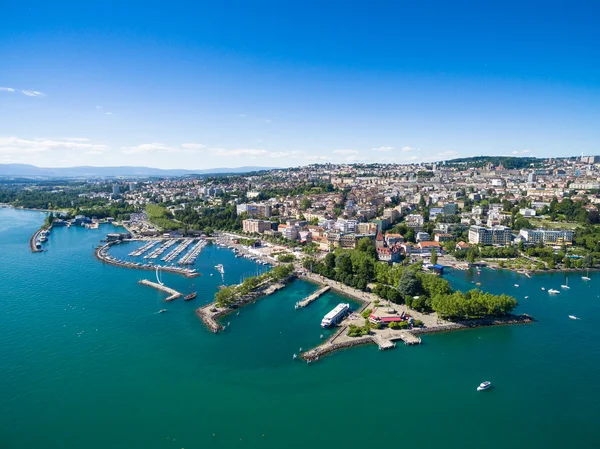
x=220, y=268
x=565, y=286
x=484, y=385
x=587, y=276
x=573, y=317
x=162, y=310
x=544, y=288
x=516, y=285
x=553, y=292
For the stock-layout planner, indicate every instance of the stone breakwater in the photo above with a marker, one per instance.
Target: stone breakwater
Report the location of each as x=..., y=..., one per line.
x=210, y=313
x=329, y=346
x=471, y=324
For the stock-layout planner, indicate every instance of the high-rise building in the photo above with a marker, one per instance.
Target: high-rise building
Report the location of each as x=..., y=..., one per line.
x=115, y=189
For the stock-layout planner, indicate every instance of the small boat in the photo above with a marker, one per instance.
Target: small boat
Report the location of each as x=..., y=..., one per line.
x=573, y=317
x=220, y=268
x=162, y=310
x=190, y=296
x=587, y=276
x=526, y=297
x=484, y=385
x=544, y=288
x=516, y=285
x=565, y=286
x=553, y=292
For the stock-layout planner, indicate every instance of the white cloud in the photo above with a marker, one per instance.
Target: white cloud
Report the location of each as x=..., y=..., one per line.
x=521, y=152
x=268, y=121
x=17, y=146
x=382, y=149
x=108, y=113
x=447, y=154
x=248, y=152
x=317, y=158
x=149, y=148
x=27, y=92
x=193, y=146
x=346, y=152
x=407, y=149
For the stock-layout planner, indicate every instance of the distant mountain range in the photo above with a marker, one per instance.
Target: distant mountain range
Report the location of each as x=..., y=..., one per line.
x=26, y=170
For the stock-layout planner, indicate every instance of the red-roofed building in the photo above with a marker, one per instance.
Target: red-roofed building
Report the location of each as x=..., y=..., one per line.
x=428, y=247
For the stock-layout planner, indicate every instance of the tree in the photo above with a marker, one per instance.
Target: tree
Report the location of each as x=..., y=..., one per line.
x=408, y=284
x=471, y=256
x=434, y=256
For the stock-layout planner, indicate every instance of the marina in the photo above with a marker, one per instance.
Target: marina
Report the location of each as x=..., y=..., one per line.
x=102, y=253
x=156, y=253
x=192, y=255
x=146, y=247
x=177, y=251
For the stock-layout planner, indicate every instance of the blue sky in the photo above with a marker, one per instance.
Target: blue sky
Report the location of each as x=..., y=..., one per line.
x=225, y=84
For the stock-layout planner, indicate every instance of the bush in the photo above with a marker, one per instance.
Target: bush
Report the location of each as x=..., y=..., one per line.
x=286, y=258
x=418, y=323
x=394, y=325
x=366, y=313
x=358, y=331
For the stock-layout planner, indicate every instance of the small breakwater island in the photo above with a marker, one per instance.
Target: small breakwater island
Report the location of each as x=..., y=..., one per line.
x=230, y=298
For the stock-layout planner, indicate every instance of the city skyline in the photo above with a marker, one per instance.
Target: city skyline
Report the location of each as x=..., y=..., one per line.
x=231, y=85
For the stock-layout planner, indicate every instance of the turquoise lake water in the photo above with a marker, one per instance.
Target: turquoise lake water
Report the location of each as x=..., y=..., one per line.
x=86, y=362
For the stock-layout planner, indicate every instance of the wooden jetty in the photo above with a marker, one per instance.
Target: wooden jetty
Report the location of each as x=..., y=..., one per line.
x=173, y=294
x=309, y=299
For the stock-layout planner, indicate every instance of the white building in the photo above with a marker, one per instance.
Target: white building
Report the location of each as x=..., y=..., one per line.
x=496, y=235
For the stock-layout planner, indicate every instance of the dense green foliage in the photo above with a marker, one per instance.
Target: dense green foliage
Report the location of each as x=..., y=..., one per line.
x=473, y=304
x=506, y=161
x=211, y=218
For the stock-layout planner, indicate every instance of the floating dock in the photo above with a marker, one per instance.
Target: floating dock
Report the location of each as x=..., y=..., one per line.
x=174, y=294
x=311, y=298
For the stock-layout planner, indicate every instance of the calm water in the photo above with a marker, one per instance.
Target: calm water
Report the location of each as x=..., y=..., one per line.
x=86, y=362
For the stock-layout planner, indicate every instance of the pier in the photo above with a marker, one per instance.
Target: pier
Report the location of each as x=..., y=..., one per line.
x=311, y=298
x=33, y=241
x=173, y=294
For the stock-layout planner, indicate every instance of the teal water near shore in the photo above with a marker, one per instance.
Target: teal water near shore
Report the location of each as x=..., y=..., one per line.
x=86, y=362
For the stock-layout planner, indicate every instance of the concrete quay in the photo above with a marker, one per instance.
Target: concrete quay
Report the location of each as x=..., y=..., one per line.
x=173, y=294
x=311, y=298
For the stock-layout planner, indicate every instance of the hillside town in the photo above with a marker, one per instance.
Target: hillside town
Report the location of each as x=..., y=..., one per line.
x=521, y=213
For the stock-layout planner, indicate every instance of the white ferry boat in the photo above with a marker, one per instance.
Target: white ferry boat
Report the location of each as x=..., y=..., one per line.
x=220, y=268
x=335, y=315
